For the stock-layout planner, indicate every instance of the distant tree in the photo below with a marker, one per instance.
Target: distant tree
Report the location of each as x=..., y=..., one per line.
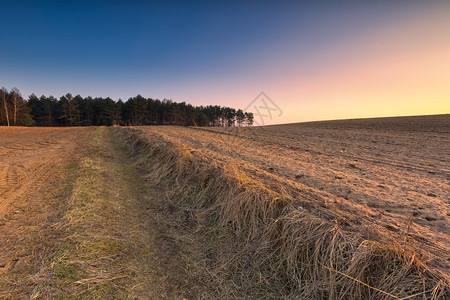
x=202, y=119
x=249, y=118
x=229, y=116
x=104, y=111
x=166, y=112
x=76, y=103
x=240, y=117
x=87, y=111
x=117, y=113
x=42, y=110
x=135, y=110
x=66, y=112
x=36, y=107
x=70, y=109
x=15, y=110
x=16, y=103
x=4, y=95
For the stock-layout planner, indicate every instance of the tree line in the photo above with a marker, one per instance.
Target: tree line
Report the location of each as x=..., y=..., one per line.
x=71, y=110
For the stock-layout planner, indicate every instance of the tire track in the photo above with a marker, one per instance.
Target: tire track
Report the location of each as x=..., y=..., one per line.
x=31, y=161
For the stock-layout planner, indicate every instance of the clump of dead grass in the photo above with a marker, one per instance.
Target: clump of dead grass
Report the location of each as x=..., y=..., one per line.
x=246, y=240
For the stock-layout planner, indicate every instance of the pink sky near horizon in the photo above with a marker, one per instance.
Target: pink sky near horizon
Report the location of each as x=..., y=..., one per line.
x=399, y=69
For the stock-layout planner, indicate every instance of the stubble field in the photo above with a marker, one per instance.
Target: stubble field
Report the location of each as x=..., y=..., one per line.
x=389, y=175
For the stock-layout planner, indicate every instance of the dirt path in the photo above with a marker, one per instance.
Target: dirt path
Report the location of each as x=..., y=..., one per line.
x=33, y=186
x=115, y=247
x=97, y=236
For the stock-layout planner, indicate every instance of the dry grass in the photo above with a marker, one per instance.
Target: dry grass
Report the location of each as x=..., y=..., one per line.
x=110, y=246
x=245, y=240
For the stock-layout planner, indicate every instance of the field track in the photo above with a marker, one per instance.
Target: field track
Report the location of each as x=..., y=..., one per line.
x=31, y=160
x=30, y=155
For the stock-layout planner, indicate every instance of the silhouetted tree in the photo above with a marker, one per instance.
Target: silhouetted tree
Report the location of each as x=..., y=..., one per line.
x=249, y=118
x=240, y=117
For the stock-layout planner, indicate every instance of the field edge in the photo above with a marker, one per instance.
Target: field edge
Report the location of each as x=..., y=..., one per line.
x=246, y=240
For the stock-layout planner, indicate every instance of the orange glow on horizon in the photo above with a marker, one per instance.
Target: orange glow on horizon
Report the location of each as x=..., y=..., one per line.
x=402, y=70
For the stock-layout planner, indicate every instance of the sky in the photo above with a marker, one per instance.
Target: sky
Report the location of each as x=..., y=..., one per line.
x=327, y=60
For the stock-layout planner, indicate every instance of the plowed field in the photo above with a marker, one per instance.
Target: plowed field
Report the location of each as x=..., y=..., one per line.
x=387, y=175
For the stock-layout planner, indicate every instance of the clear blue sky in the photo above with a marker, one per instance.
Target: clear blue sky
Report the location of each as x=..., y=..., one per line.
x=211, y=52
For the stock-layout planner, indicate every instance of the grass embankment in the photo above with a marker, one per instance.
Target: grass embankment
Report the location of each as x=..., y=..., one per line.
x=243, y=240
x=111, y=245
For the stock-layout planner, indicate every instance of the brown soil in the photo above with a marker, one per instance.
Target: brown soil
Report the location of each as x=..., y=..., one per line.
x=384, y=177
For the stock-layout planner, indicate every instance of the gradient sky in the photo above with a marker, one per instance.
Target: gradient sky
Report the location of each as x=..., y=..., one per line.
x=330, y=60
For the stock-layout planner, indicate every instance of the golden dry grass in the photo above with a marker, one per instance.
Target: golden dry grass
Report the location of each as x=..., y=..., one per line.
x=247, y=239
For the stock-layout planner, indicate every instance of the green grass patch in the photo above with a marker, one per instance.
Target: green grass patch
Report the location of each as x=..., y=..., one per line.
x=65, y=274
x=104, y=248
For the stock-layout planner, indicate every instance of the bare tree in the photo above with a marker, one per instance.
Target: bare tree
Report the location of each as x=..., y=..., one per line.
x=17, y=101
x=4, y=96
